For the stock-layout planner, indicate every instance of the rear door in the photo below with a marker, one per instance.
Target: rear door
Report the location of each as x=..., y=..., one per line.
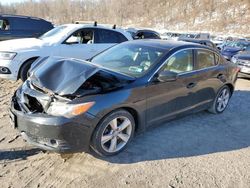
x=209, y=76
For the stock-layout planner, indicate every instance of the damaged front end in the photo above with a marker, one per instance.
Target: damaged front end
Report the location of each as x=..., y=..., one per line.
x=44, y=107
x=48, y=121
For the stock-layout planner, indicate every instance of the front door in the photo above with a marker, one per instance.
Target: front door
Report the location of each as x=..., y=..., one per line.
x=166, y=100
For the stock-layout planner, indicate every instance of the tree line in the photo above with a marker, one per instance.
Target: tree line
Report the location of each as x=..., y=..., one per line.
x=202, y=15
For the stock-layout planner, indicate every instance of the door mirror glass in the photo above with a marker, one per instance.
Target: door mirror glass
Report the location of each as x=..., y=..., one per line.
x=136, y=37
x=167, y=76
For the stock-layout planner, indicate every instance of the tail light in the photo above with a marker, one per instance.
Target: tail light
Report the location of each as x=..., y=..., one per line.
x=237, y=69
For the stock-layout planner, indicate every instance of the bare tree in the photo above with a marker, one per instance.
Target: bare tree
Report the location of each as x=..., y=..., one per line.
x=216, y=15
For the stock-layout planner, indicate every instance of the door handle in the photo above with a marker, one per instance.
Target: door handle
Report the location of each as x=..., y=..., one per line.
x=191, y=85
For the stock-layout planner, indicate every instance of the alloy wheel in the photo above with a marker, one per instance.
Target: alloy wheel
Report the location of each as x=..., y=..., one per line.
x=223, y=99
x=116, y=134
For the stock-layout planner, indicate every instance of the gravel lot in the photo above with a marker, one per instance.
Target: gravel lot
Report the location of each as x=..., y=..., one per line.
x=200, y=150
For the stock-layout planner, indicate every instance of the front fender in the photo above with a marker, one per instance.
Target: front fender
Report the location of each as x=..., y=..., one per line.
x=129, y=99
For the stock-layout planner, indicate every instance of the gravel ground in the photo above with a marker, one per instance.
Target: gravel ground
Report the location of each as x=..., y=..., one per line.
x=200, y=150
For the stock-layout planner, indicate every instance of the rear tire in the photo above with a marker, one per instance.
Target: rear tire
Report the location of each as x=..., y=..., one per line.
x=113, y=133
x=221, y=101
x=24, y=69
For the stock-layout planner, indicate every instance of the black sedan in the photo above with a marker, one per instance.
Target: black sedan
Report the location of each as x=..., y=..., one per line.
x=69, y=105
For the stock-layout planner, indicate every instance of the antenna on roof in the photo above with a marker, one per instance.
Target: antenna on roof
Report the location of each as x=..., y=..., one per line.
x=114, y=26
x=95, y=23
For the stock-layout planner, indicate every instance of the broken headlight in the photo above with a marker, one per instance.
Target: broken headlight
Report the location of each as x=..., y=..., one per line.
x=68, y=110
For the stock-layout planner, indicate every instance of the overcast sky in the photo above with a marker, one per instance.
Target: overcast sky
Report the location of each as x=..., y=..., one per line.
x=4, y=2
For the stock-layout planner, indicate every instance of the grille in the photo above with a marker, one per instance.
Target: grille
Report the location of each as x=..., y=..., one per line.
x=33, y=104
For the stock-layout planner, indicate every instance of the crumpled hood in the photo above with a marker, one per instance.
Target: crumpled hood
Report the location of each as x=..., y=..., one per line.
x=62, y=76
x=20, y=44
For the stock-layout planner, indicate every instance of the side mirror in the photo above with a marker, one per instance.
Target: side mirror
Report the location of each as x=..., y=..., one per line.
x=167, y=76
x=136, y=37
x=90, y=42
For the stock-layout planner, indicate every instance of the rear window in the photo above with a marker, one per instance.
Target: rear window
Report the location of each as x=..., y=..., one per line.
x=147, y=35
x=205, y=59
x=30, y=24
x=150, y=35
x=108, y=36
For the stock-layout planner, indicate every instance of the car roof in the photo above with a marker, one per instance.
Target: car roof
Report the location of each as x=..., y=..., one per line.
x=79, y=26
x=146, y=30
x=19, y=16
x=167, y=44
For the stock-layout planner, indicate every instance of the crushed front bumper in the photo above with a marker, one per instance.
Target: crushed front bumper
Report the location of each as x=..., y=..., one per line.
x=58, y=134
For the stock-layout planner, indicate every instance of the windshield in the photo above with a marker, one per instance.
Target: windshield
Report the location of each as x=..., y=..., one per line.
x=54, y=32
x=130, y=59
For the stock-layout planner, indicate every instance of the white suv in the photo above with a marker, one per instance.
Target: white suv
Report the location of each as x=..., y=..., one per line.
x=81, y=41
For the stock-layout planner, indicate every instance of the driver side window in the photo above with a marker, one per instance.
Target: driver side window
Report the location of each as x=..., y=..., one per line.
x=180, y=62
x=4, y=24
x=83, y=36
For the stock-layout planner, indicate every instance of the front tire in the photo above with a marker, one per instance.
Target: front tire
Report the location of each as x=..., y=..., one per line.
x=221, y=101
x=113, y=133
x=24, y=69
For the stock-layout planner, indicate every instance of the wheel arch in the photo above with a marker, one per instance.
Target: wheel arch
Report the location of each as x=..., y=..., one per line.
x=19, y=71
x=135, y=115
x=231, y=87
x=131, y=110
